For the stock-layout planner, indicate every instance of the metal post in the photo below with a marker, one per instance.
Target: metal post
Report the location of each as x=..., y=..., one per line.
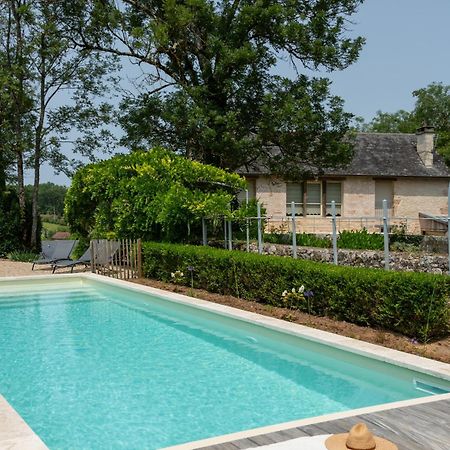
x=294, y=232
x=448, y=226
x=204, y=232
x=247, y=222
x=225, y=232
x=260, y=245
x=333, y=224
x=386, y=235
x=230, y=237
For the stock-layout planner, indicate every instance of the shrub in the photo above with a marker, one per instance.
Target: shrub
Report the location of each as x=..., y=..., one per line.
x=360, y=240
x=13, y=235
x=414, y=304
x=23, y=256
x=151, y=195
x=303, y=239
x=9, y=223
x=81, y=247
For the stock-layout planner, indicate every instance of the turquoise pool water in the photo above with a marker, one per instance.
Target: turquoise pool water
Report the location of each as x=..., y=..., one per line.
x=95, y=368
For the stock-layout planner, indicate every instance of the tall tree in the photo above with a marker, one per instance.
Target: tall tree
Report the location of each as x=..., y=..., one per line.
x=432, y=108
x=211, y=93
x=16, y=96
x=51, y=66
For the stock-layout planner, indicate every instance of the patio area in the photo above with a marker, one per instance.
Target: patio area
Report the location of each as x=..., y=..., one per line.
x=19, y=269
x=418, y=427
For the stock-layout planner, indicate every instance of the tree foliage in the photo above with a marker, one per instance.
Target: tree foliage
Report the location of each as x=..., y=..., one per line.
x=12, y=237
x=51, y=198
x=211, y=94
x=432, y=108
x=38, y=62
x=152, y=195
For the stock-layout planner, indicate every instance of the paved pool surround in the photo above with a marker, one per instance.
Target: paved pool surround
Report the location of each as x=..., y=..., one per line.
x=16, y=434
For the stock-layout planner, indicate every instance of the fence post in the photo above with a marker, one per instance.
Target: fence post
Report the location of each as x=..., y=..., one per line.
x=260, y=247
x=294, y=232
x=139, y=257
x=230, y=237
x=91, y=248
x=225, y=232
x=247, y=227
x=386, y=235
x=334, y=237
x=448, y=226
x=204, y=232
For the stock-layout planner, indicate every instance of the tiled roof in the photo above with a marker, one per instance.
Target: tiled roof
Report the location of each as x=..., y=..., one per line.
x=384, y=155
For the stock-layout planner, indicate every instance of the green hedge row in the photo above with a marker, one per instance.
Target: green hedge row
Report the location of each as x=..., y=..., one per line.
x=414, y=304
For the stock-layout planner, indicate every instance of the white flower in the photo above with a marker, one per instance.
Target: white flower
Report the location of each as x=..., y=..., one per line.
x=293, y=290
x=172, y=275
x=181, y=274
x=301, y=289
x=284, y=294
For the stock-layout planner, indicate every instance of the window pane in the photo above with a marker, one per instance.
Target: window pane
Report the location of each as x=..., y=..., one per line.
x=251, y=186
x=313, y=193
x=334, y=192
x=314, y=199
x=294, y=193
x=384, y=190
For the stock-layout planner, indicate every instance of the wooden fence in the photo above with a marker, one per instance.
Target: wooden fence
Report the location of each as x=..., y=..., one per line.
x=121, y=259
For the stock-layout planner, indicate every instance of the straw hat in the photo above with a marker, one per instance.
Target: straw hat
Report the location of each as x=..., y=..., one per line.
x=359, y=438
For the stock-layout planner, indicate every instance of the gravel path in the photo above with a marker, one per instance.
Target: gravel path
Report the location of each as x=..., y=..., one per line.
x=19, y=269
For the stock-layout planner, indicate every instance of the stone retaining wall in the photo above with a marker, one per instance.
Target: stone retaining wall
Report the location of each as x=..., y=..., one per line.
x=408, y=262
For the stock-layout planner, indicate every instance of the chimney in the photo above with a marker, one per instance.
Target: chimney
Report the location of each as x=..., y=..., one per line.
x=425, y=144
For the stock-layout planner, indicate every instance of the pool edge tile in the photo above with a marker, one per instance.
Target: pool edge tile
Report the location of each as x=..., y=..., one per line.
x=246, y=434
x=15, y=433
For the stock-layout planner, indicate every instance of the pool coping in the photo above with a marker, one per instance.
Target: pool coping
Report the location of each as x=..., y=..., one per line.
x=15, y=432
x=391, y=356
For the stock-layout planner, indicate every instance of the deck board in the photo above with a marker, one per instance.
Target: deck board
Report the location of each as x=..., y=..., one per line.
x=419, y=427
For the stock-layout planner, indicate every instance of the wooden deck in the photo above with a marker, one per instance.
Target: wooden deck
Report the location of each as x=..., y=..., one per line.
x=420, y=427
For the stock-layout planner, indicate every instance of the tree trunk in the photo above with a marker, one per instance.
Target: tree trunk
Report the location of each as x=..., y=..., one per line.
x=21, y=195
x=35, y=204
x=2, y=171
x=20, y=109
x=38, y=146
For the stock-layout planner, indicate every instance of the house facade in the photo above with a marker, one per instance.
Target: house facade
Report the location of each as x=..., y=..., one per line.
x=402, y=169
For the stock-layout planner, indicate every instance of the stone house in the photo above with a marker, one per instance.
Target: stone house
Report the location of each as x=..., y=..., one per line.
x=404, y=169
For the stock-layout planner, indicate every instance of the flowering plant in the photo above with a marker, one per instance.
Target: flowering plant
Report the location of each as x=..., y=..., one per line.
x=295, y=298
x=177, y=276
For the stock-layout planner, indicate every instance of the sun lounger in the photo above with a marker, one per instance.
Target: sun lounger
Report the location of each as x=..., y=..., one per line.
x=104, y=255
x=84, y=259
x=48, y=247
x=62, y=250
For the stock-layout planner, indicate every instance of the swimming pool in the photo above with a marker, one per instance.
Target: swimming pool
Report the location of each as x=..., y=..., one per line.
x=94, y=364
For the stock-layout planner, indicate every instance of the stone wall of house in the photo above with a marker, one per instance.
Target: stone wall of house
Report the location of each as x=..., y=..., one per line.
x=359, y=197
x=361, y=258
x=271, y=192
x=411, y=195
x=416, y=195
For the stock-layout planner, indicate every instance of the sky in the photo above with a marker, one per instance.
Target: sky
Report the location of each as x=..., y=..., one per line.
x=407, y=47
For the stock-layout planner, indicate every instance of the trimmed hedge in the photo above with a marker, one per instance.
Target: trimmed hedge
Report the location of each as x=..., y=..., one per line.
x=414, y=304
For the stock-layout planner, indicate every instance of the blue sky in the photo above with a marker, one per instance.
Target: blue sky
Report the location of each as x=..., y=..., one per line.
x=407, y=48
